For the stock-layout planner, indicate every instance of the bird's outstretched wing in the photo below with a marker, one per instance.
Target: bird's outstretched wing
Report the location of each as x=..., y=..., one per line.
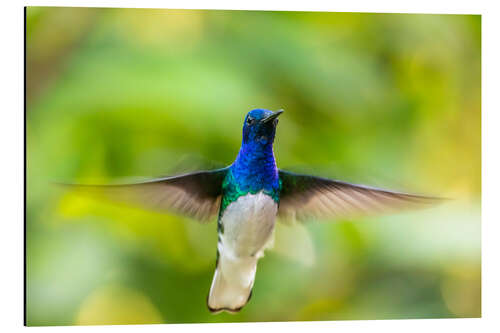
x=304, y=197
x=196, y=194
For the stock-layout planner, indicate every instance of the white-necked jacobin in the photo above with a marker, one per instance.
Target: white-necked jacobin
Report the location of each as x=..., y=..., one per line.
x=247, y=197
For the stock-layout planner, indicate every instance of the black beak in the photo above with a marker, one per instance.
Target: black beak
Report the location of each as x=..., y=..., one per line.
x=273, y=116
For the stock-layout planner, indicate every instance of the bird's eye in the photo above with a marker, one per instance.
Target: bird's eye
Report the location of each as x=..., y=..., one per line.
x=250, y=120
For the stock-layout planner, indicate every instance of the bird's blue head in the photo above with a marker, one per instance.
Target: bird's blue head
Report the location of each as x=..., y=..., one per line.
x=260, y=127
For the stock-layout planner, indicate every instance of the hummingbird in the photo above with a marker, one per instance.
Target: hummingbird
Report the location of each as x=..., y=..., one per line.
x=247, y=197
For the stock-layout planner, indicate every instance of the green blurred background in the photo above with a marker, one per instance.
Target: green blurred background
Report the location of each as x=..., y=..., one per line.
x=389, y=100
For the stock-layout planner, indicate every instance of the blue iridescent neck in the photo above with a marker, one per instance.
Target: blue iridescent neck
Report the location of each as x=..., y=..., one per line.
x=255, y=167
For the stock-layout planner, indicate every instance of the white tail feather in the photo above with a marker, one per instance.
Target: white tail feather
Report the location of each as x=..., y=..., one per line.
x=232, y=284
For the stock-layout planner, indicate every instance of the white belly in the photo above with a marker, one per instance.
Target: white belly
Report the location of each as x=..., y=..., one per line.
x=248, y=226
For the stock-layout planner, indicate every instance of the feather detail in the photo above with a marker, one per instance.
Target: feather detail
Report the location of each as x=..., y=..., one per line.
x=196, y=195
x=304, y=197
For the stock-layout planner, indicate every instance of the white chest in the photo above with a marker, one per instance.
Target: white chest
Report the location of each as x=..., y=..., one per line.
x=248, y=225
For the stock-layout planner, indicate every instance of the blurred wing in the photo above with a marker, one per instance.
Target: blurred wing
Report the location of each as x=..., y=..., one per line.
x=304, y=197
x=196, y=194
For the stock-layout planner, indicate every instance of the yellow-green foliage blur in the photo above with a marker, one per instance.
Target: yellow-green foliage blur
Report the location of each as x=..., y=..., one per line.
x=389, y=100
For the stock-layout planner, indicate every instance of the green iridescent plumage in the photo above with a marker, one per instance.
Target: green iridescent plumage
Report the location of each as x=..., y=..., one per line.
x=232, y=191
